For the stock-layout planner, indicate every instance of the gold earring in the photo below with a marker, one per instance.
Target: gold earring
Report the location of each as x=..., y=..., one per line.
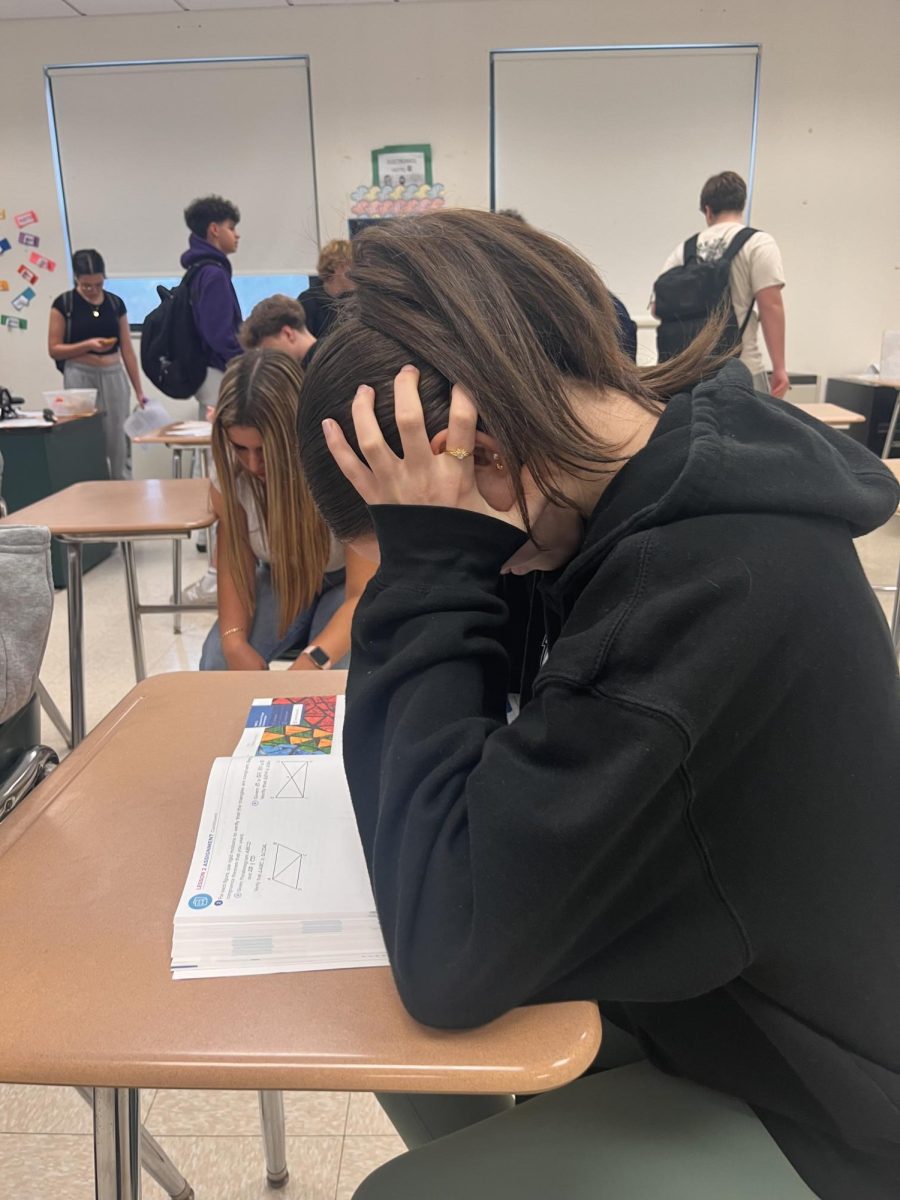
x=497, y=463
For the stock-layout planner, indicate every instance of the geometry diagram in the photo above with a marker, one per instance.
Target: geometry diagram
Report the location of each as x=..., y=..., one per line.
x=286, y=868
x=313, y=734
x=295, y=786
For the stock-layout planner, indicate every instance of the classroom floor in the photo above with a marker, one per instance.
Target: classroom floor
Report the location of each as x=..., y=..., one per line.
x=333, y=1139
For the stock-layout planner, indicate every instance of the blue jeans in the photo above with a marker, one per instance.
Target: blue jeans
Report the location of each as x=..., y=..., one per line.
x=264, y=636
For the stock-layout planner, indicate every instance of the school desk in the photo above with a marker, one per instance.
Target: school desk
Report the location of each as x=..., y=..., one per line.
x=877, y=399
x=195, y=436
x=831, y=414
x=123, y=511
x=93, y=864
x=41, y=458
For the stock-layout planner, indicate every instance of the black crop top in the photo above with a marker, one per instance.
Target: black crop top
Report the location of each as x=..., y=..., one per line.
x=91, y=320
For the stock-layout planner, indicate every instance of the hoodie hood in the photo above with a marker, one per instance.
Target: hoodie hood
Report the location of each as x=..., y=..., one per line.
x=199, y=248
x=724, y=448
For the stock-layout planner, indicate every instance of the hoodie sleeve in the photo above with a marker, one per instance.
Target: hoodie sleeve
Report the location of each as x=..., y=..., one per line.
x=215, y=311
x=508, y=859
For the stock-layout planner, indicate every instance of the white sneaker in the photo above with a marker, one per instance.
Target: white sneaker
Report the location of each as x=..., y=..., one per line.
x=203, y=591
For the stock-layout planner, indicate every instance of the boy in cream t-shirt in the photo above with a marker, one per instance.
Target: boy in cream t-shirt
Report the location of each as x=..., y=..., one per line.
x=757, y=277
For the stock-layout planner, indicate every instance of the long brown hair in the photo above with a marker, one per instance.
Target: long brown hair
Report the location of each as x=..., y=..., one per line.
x=260, y=390
x=514, y=315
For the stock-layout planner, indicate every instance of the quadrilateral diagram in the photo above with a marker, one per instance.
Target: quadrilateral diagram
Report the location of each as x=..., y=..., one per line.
x=294, y=787
x=287, y=866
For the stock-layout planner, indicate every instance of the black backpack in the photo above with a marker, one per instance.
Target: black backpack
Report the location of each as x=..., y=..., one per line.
x=68, y=299
x=689, y=295
x=173, y=356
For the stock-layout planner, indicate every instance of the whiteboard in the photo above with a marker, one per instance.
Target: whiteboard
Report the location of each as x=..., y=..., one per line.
x=137, y=142
x=609, y=147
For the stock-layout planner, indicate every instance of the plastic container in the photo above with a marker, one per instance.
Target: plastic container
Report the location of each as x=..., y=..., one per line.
x=71, y=402
x=147, y=419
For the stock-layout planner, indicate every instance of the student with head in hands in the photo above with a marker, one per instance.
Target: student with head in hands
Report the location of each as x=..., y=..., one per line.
x=283, y=580
x=89, y=334
x=693, y=820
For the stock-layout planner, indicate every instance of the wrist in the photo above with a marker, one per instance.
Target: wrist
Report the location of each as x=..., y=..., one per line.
x=318, y=656
x=431, y=545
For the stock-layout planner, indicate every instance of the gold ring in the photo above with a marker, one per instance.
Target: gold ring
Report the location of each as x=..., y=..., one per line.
x=459, y=452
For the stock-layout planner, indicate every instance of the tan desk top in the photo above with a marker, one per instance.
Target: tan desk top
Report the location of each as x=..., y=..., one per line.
x=869, y=380
x=893, y=465
x=174, y=435
x=91, y=868
x=130, y=508
x=831, y=414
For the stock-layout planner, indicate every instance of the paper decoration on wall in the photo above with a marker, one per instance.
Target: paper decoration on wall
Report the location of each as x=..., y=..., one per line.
x=43, y=264
x=24, y=299
x=13, y=322
x=27, y=275
x=4, y=286
x=402, y=165
x=400, y=201
x=29, y=239
x=4, y=245
x=25, y=218
x=2, y=214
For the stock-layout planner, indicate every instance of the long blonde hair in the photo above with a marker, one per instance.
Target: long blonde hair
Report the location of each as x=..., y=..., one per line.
x=261, y=390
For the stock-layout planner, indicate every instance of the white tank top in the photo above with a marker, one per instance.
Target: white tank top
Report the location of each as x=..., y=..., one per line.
x=256, y=528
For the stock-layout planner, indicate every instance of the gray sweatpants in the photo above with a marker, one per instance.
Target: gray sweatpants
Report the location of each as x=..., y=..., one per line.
x=113, y=400
x=628, y=1132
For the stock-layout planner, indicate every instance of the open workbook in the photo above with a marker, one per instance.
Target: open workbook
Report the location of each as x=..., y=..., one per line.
x=278, y=881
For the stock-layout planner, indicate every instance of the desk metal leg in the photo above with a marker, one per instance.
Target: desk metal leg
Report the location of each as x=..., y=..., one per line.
x=48, y=704
x=117, y=1170
x=176, y=548
x=271, y=1113
x=75, y=601
x=154, y=1160
x=134, y=615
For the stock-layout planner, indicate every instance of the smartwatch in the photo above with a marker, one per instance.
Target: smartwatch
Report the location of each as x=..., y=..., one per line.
x=317, y=655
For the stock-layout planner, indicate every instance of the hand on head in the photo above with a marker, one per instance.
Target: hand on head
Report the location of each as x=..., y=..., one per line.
x=457, y=468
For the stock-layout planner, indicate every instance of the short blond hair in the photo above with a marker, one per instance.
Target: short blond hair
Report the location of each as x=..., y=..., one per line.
x=333, y=256
x=269, y=317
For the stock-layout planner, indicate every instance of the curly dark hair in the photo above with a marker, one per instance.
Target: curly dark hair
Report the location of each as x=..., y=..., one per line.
x=209, y=210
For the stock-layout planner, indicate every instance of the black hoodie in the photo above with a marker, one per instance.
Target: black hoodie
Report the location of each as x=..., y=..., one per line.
x=696, y=818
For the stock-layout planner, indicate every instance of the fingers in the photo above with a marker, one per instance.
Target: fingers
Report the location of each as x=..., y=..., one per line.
x=356, y=473
x=409, y=416
x=374, y=448
x=462, y=420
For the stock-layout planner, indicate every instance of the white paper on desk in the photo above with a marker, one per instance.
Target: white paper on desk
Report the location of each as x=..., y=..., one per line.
x=192, y=428
x=890, y=354
x=277, y=839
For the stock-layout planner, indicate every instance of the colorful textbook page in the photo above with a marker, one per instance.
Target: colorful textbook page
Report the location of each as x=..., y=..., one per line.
x=278, y=879
x=291, y=725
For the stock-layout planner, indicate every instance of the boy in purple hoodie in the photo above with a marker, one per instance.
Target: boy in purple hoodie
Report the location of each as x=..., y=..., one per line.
x=217, y=313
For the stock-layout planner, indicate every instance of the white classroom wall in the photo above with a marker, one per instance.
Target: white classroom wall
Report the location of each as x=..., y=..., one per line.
x=828, y=172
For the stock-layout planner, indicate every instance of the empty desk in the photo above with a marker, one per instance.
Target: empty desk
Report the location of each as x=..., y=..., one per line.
x=122, y=511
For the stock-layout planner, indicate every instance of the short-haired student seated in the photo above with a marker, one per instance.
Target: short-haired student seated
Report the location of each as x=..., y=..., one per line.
x=694, y=817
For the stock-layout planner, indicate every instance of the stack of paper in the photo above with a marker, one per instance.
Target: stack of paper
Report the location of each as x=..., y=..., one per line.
x=278, y=881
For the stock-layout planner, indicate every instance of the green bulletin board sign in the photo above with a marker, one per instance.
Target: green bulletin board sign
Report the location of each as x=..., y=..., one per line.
x=395, y=166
